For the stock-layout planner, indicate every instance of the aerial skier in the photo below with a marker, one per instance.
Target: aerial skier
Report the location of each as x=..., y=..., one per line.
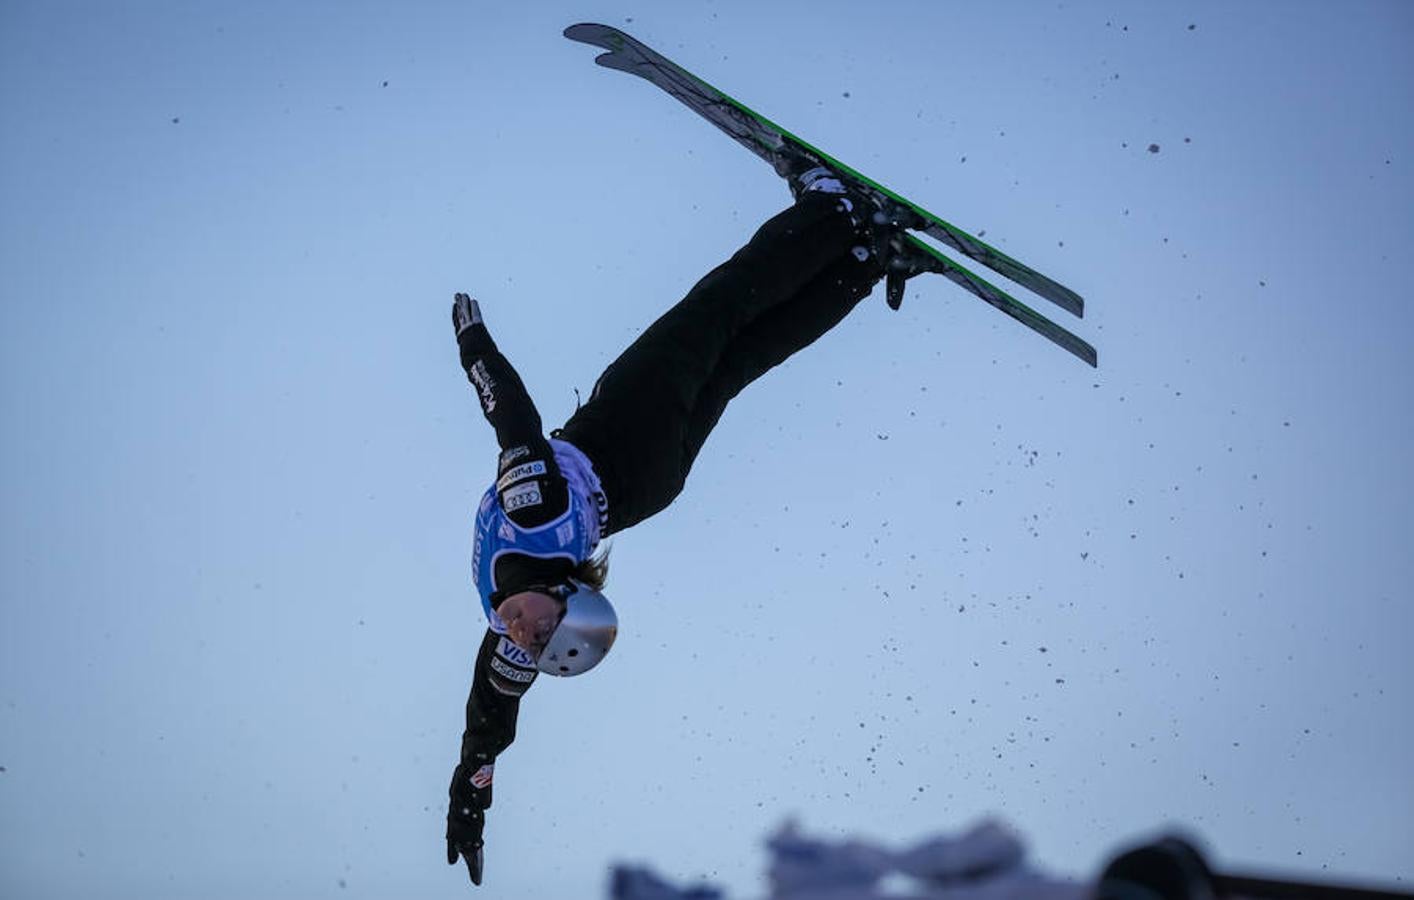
x=626, y=452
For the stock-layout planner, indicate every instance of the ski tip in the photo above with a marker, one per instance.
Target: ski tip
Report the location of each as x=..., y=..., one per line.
x=1080, y=348
x=606, y=38
x=589, y=32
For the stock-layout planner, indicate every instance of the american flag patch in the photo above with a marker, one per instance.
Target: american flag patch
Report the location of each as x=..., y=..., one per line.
x=482, y=779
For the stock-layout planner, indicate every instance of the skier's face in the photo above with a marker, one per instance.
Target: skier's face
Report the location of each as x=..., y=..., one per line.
x=531, y=617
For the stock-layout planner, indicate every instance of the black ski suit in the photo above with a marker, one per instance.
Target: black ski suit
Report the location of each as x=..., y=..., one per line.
x=643, y=425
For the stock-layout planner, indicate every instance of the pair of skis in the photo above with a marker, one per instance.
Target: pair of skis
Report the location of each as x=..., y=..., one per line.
x=776, y=145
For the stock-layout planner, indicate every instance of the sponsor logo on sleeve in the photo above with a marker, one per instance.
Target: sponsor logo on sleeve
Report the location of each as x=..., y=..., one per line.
x=516, y=654
x=520, y=473
x=485, y=385
x=511, y=673
x=507, y=533
x=520, y=497
x=483, y=777
x=513, y=454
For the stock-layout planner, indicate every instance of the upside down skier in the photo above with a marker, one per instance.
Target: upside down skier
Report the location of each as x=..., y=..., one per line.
x=625, y=454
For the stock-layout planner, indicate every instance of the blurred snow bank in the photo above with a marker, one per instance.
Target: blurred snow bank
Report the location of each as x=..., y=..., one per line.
x=986, y=862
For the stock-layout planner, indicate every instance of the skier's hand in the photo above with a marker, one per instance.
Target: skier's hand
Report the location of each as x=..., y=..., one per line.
x=465, y=313
x=470, y=796
x=472, y=853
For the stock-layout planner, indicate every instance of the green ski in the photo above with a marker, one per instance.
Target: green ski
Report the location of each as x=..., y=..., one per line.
x=771, y=142
x=930, y=260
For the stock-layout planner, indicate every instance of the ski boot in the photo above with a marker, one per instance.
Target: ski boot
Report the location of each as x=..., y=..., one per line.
x=805, y=175
x=902, y=262
x=802, y=173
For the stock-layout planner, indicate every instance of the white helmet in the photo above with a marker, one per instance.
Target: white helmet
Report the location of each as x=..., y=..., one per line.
x=584, y=635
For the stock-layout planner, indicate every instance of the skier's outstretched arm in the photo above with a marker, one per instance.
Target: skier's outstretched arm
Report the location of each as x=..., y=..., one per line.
x=502, y=677
x=529, y=484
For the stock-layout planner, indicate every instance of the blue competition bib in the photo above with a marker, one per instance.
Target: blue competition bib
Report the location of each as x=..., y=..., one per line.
x=572, y=535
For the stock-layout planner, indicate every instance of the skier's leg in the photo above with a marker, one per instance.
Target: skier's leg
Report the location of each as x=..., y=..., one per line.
x=784, y=254
x=634, y=426
x=776, y=336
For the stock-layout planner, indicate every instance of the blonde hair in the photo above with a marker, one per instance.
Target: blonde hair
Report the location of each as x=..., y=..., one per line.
x=594, y=571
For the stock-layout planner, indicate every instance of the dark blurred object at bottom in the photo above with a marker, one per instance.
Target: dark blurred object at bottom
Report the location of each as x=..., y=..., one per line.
x=985, y=862
x=1173, y=869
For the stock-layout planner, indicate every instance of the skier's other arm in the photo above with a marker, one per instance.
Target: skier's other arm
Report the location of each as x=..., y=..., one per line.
x=503, y=674
x=529, y=485
x=532, y=491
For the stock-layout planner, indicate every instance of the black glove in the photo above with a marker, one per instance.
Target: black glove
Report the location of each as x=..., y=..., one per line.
x=470, y=795
x=465, y=313
x=472, y=342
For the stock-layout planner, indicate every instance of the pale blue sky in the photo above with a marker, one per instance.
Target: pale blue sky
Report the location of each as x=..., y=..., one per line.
x=240, y=459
